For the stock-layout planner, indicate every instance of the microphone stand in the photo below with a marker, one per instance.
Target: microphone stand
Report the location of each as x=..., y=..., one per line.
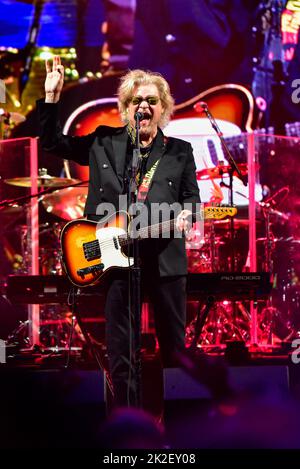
x=135, y=271
x=29, y=49
x=233, y=168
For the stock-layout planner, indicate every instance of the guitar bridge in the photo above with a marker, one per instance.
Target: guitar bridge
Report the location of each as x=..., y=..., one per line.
x=93, y=269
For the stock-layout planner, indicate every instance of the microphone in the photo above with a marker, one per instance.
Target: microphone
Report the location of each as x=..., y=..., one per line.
x=140, y=116
x=200, y=106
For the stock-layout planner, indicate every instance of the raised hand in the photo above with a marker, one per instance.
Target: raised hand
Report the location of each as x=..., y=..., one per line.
x=183, y=221
x=54, y=79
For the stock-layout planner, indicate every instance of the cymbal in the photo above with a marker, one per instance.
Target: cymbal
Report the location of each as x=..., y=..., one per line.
x=290, y=241
x=263, y=240
x=219, y=171
x=66, y=203
x=11, y=210
x=225, y=224
x=42, y=181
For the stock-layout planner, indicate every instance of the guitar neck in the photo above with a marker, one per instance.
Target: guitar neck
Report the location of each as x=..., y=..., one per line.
x=168, y=226
x=151, y=231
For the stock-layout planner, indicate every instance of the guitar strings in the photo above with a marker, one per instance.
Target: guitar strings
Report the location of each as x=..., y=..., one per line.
x=156, y=226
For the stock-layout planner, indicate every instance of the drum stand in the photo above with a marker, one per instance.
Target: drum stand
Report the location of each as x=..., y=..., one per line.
x=212, y=236
x=221, y=327
x=269, y=243
x=269, y=311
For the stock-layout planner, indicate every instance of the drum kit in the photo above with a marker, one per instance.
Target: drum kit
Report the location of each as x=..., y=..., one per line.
x=63, y=198
x=60, y=200
x=56, y=328
x=211, y=252
x=279, y=318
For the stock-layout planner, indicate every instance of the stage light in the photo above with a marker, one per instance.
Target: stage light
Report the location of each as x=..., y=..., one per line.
x=45, y=55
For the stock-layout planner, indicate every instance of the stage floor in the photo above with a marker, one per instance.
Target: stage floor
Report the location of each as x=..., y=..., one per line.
x=46, y=405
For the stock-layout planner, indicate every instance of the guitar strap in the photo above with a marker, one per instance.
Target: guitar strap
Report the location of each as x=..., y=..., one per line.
x=144, y=185
x=146, y=181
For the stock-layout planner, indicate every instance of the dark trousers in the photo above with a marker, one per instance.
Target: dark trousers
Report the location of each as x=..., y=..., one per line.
x=168, y=297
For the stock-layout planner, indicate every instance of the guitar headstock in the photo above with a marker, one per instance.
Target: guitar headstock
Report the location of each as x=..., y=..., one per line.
x=218, y=213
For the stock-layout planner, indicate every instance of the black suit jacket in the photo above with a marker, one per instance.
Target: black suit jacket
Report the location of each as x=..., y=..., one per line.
x=105, y=152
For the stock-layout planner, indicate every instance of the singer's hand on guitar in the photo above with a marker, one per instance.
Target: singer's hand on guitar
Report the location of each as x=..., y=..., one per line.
x=54, y=79
x=183, y=221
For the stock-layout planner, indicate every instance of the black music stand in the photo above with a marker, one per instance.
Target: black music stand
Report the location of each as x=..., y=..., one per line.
x=202, y=314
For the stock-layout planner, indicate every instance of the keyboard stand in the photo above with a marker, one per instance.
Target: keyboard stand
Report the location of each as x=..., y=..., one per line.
x=202, y=314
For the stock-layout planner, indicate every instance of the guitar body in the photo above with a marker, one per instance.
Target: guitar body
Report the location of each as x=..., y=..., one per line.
x=83, y=264
x=90, y=249
x=230, y=102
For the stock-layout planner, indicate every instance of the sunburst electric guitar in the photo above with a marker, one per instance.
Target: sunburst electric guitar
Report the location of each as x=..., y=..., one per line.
x=90, y=249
